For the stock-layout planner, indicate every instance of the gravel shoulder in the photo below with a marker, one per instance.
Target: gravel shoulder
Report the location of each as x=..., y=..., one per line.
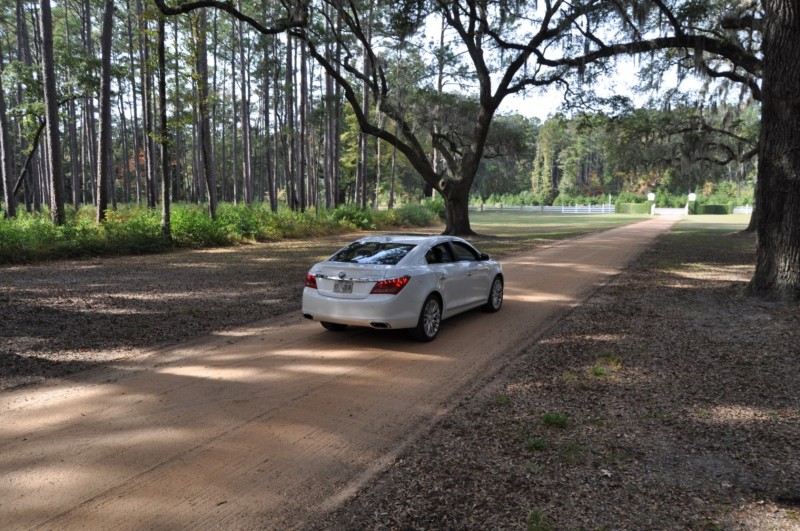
x=666, y=401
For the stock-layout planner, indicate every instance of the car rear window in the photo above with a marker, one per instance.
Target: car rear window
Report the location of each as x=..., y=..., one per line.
x=383, y=253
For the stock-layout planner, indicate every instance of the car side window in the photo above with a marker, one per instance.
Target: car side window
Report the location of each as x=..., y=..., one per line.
x=439, y=254
x=465, y=252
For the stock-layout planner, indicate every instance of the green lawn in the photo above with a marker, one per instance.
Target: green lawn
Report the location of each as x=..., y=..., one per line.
x=507, y=232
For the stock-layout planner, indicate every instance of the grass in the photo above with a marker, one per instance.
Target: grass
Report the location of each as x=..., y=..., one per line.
x=535, y=443
x=508, y=232
x=554, y=419
x=502, y=400
x=701, y=232
x=536, y=521
x=611, y=360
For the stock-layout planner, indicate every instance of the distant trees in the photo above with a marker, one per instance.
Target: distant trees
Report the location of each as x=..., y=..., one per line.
x=679, y=150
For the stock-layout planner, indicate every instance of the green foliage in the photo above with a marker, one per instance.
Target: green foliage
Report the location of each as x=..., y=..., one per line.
x=34, y=237
x=502, y=400
x=192, y=227
x=536, y=521
x=632, y=208
x=535, y=443
x=714, y=209
x=555, y=419
x=579, y=199
x=436, y=206
x=410, y=215
x=136, y=230
x=353, y=217
x=668, y=151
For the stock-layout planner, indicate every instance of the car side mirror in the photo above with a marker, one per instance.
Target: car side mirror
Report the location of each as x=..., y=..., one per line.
x=484, y=256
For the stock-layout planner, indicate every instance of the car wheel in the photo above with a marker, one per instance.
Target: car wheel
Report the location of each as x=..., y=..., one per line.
x=495, y=296
x=333, y=327
x=430, y=318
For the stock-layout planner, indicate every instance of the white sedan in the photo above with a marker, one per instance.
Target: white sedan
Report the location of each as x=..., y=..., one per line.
x=398, y=281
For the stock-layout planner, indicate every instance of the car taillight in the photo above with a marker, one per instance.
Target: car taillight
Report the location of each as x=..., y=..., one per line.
x=311, y=281
x=391, y=286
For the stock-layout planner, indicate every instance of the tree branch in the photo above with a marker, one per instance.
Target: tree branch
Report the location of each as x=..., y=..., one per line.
x=296, y=17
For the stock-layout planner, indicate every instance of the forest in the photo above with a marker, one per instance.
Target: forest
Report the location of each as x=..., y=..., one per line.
x=313, y=105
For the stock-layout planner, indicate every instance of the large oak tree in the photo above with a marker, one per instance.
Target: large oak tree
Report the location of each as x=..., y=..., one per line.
x=507, y=47
x=755, y=44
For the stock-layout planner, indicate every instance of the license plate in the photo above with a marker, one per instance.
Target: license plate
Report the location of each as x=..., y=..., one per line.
x=343, y=286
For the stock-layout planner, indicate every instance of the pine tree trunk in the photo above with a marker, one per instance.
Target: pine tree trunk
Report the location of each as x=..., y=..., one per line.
x=56, y=171
x=302, y=140
x=147, y=110
x=234, y=127
x=166, y=229
x=273, y=200
x=204, y=129
x=247, y=173
x=6, y=155
x=135, y=125
x=89, y=123
x=104, y=150
x=289, y=130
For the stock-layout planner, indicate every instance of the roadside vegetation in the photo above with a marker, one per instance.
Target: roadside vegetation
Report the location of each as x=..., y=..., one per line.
x=137, y=230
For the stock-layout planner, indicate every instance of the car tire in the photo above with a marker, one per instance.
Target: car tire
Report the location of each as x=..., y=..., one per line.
x=430, y=319
x=333, y=327
x=495, y=300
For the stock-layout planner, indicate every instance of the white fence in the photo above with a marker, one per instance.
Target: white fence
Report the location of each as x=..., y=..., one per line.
x=591, y=209
x=674, y=212
x=574, y=209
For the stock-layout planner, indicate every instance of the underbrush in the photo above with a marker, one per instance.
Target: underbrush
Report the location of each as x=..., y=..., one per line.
x=131, y=229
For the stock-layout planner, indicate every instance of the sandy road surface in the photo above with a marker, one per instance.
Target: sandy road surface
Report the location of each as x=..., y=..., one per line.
x=263, y=427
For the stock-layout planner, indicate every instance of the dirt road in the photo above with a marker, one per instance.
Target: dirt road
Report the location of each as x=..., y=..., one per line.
x=266, y=426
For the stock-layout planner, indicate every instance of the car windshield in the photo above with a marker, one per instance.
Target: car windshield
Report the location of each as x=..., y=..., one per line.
x=384, y=253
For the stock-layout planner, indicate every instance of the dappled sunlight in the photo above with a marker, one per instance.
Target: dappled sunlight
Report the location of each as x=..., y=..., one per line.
x=58, y=407
x=761, y=514
x=537, y=297
x=230, y=374
x=44, y=476
x=726, y=273
x=735, y=414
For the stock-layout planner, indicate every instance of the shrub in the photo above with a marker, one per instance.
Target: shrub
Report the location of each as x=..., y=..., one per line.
x=353, y=217
x=714, y=209
x=436, y=206
x=633, y=208
x=193, y=227
x=135, y=229
x=419, y=215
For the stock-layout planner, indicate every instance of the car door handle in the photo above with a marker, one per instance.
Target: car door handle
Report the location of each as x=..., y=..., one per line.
x=442, y=276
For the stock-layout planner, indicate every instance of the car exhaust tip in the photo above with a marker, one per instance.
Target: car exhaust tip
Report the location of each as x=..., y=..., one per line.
x=308, y=316
x=379, y=325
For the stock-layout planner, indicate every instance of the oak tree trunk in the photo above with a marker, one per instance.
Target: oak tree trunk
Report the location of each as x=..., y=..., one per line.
x=777, y=273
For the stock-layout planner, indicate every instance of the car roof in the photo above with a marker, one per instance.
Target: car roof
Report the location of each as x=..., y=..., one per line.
x=415, y=239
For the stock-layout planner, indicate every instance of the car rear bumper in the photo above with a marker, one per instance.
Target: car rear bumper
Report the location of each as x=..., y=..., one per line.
x=375, y=311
